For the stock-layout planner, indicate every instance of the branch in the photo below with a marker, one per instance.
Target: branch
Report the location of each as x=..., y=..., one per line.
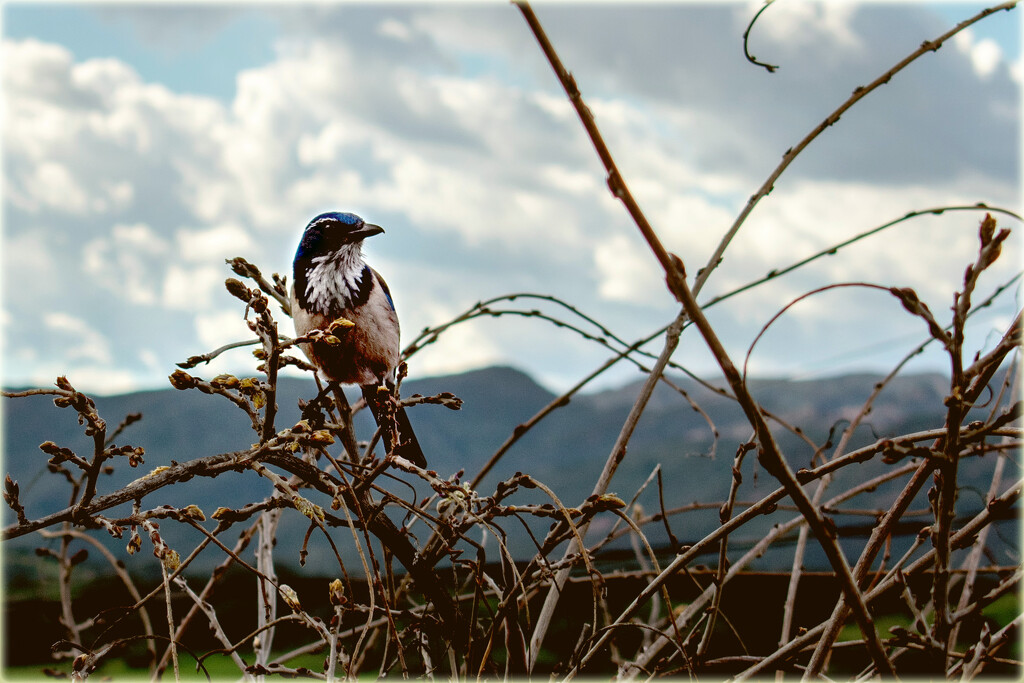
x=858, y=94
x=616, y=183
x=770, y=68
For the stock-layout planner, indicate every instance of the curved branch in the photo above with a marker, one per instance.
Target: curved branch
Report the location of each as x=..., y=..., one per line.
x=770, y=68
x=859, y=93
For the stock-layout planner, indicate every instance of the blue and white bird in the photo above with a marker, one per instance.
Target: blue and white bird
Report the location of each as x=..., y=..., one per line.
x=330, y=281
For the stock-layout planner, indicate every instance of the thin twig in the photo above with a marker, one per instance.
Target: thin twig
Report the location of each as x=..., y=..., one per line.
x=770, y=68
x=611, y=464
x=791, y=154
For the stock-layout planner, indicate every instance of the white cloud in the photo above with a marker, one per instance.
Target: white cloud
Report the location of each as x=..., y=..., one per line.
x=85, y=344
x=214, y=244
x=432, y=181
x=120, y=193
x=31, y=66
x=51, y=185
x=797, y=24
x=460, y=347
x=392, y=28
x=323, y=146
x=474, y=206
x=191, y=289
x=107, y=78
x=98, y=380
x=218, y=328
x=129, y=262
x=571, y=181
x=30, y=257
x=138, y=237
x=449, y=125
x=985, y=54
x=927, y=253
x=625, y=272
x=151, y=360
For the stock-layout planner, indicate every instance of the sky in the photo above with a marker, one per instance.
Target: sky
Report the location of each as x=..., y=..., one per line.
x=143, y=144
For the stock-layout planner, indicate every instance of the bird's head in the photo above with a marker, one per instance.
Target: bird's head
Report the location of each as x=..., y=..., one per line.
x=333, y=231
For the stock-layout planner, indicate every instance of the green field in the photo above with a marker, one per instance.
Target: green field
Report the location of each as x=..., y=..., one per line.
x=219, y=667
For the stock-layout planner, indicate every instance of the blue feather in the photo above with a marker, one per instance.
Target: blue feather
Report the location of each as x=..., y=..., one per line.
x=346, y=218
x=314, y=239
x=385, y=289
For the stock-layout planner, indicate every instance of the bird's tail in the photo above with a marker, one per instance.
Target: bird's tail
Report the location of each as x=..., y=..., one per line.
x=408, y=446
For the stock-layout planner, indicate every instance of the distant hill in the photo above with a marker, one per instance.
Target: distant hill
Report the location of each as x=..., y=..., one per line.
x=566, y=451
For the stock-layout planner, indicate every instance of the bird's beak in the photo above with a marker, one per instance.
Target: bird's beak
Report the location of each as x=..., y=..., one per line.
x=368, y=230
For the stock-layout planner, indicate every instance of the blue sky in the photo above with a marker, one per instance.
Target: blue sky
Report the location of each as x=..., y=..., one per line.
x=144, y=143
x=204, y=62
x=208, y=62
x=1006, y=33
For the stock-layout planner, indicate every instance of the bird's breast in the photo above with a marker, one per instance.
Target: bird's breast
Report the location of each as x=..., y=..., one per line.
x=366, y=353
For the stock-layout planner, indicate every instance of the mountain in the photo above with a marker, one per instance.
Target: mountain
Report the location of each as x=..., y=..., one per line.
x=566, y=451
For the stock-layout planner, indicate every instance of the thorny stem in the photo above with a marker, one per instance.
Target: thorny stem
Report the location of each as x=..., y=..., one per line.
x=266, y=596
x=974, y=558
x=368, y=513
x=616, y=183
x=773, y=460
x=884, y=527
x=770, y=68
x=968, y=531
x=118, y=568
x=67, y=614
x=611, y=464
x=687, y=556
x=171, y=634
x=215, y=626
x=879, y=535
x=874, y=544
x=957, y=407
x=724, y=515
x=858, y=94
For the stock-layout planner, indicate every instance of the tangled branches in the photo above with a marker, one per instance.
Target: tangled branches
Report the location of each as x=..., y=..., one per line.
x=436, y=588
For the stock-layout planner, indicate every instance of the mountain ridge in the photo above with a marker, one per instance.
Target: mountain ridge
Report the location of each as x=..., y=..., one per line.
x=566, y=450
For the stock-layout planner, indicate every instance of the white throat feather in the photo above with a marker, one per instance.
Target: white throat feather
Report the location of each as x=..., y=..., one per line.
x=335, y=279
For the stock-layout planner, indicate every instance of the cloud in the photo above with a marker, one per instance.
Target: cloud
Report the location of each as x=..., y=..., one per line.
x=129, y=262
x=392, y=28
x=171, y=29
x=51, y=185
x=625, y=272
x=445, y=125
x=90, y=139
x=191, y=289
x=39, y=72
x=852, y=329
x=985, y=54
x=458, y=348
x=797, y=26
x=739, y=118
x=213, y=244
x=222, y=327
x=35, y=262
x=87, y=343
x=94, y=379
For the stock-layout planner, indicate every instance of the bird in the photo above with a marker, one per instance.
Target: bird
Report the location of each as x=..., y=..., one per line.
x=331, y=280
